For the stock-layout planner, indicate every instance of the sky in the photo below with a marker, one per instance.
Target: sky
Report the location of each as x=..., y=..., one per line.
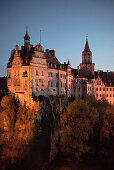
x=64, y=25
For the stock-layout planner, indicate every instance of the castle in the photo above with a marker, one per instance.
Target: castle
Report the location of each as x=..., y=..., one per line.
x=32, y=71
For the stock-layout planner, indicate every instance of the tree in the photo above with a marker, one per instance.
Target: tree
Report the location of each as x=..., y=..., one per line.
x=78, y=123
x=16, y=127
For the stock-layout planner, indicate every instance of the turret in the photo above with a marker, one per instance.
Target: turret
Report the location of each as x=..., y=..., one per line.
x=26, y=39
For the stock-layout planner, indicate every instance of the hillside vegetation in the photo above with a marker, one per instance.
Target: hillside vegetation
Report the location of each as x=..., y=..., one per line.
x=80, y=131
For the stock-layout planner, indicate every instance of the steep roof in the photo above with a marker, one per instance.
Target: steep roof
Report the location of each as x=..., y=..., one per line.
x=51, y=58
x=27, y=37
x=86, y=46
x=107, y=77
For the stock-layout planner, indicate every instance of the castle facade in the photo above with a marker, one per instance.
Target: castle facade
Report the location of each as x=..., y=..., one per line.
x=32, y=72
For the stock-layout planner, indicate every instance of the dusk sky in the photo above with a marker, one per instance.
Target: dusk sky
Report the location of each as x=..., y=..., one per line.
x=65, y=24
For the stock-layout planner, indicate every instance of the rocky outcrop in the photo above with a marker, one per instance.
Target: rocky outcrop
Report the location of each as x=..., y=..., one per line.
x=51, y=108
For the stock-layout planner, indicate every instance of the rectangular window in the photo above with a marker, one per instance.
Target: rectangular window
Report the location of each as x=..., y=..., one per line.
x=100, y=89
x=61, y=75
x=25, y=82
x=96, y=89
x=36, y=72
x=49, y=83
x=110, y=95
x=103, y=89
x=42, y=74
x=57, y=75
x=50, y=74
x=97, y=95
x=106, y=89
x=36, y=82
x=107, y=95
x=110, y=89
x=25, y=74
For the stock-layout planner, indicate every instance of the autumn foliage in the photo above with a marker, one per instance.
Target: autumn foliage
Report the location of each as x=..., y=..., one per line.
x=16, y=128
x=78, y=121
x=88, y=131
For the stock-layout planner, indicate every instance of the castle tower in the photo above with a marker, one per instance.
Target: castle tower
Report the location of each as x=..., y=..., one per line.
x=87, y=64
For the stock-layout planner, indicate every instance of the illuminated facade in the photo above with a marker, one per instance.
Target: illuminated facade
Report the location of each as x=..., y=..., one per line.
x=32, y=71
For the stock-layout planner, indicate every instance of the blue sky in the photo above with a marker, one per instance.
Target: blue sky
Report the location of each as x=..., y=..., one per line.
x=65, y=24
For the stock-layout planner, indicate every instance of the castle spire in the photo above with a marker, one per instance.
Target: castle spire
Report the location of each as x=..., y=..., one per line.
x=26, y=29
x=87, y=44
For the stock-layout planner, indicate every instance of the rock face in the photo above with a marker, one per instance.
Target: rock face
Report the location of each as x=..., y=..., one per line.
x=51, y=109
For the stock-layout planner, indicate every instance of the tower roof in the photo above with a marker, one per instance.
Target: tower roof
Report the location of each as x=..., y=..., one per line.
x=86, y=45
x=27, y=37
